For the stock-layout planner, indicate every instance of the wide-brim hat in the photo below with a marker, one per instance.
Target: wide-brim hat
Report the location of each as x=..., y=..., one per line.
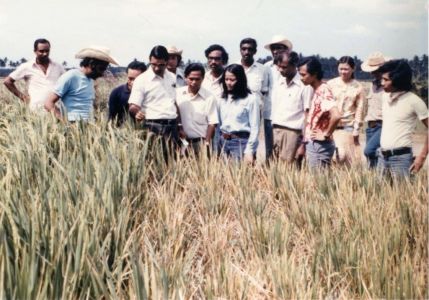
x=174, y=51
x=374, y=61
x=279, y=39
x=97, y=52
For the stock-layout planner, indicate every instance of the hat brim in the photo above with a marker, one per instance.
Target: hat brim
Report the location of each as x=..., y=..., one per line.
x=97, y=54
x=285, y=42
x=368, y=68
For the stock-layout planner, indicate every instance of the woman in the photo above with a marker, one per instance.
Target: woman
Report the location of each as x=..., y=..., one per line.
x=349, y=96
x=238, y=116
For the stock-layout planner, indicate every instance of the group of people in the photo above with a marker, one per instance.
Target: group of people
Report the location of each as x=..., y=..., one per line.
x=222, y=108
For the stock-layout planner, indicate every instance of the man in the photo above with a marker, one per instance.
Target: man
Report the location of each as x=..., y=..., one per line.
x=374, y=116
x=198, y=109
x=153, y=99
x=256, y=73
x=323, y=116
x=41, y=73
x=290, y=102
x=277, y=45
x=217, y=59
x=401, y=110
x=75, y=88
x=174, y=60
x=118, y=100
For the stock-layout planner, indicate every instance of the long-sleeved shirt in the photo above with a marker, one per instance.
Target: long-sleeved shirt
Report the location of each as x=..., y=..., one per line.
x=241, y=115
x=374, y=103
x=350, y=101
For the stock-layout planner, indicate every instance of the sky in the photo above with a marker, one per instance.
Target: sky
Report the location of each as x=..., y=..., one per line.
x=130, y=28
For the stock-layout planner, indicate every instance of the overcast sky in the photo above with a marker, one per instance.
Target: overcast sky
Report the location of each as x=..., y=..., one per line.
x=130, y=28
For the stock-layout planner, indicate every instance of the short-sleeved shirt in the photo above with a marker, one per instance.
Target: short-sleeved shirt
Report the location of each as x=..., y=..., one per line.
x=40, y=85
x=257, y=80
x=76, y=91
x=155, y=95
x=350, y=99
x=290, y=101
x=197, y=112
x=319, y=116
x=180, y=78
x=374, y=103
x=118, y=103
x=399, y=119
x=213, y=84
x=241, y=115
x=273, y=75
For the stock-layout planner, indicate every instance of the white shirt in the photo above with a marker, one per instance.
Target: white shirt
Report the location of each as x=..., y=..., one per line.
x=273, y=75
x=257, y=81
x=289, y=102
x=197, y=112
x=399, y=120
x=40, y=85
x=155, y=95
x=212, y=84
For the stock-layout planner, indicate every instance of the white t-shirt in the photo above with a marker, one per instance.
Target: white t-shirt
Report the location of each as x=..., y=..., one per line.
x=155, y=95
x=399, y=120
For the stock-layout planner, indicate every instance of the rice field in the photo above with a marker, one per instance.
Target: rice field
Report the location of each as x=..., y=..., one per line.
x=92, y=212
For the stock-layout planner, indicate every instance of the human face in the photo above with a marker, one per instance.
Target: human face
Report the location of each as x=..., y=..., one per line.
x=158, y=66
x=98, y=69
x=286, y=70
x=386, y=83
x=194, y=80
x=345, y=71
x=131, y=76
x=42, y=53
x=214, y=60
x=230, y=81
x=247, y=52
x=278, y=48
x=173, y=61
x=306, y=77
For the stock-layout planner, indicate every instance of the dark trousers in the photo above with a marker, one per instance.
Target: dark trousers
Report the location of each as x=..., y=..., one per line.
x=168, y=130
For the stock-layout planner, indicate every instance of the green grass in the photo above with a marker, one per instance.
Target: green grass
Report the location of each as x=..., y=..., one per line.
x=92, y=212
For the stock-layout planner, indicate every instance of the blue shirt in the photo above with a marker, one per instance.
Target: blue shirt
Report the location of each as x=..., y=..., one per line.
x=77, y=93
x=118, y=103
x=241, y=115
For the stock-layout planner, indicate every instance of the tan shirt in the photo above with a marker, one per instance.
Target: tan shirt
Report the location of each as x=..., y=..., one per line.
x=350, y=100
x=374, y=103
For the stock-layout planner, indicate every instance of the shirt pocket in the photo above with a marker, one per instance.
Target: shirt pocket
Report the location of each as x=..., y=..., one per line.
x=242, y=113
x=200, y=118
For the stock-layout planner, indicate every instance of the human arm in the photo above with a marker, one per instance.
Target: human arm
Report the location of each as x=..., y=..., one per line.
x=135, y=112
x=359, y=115
x=9, y=82
x=254, y=121
x=420, y=159
x=51, y=107
x=335, y=117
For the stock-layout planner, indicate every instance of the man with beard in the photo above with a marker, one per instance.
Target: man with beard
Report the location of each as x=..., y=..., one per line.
x=277, y=45
x=76, y=87
x=40, y=73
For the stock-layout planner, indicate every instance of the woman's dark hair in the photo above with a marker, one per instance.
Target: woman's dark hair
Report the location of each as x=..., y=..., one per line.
x=347, y=60
x=314, y=67
x=240, y=89
x=137, y=65
x=219, y=48
x=194, y=67
x=159, y=52
x=40, y=41
x=400, y=73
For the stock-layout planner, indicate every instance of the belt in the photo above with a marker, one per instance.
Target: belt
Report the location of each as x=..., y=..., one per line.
x=276, y=126
x=396, y=151
x=195, y=140
x=162, y=121
x=236, y=135
x=373, y=123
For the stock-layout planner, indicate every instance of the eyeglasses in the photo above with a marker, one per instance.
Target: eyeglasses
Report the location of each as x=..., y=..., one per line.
x=215, y=58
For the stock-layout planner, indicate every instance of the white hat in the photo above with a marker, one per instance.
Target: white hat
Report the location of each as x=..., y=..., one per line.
x=97, y=52
x=173, y=50
x=374, y=61
x=279, y=39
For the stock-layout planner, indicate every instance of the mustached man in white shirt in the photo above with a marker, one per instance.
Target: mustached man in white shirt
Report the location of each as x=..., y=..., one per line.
x=41, y=74
x=290, y=100
x=197, y=108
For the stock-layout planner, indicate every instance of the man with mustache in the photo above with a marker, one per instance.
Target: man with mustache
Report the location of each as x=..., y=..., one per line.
x=40, y=73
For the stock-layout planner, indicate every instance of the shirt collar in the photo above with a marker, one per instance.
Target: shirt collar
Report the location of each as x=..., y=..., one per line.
x=295, y=80
x=395, y=96
x=203, y=93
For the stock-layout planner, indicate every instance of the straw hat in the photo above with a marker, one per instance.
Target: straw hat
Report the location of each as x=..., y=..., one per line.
x=279, y=39
x=374, y=61
x=173, y=50
x=98, y=52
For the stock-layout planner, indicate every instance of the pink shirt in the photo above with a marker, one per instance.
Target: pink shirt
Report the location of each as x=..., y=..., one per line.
x=319, y=116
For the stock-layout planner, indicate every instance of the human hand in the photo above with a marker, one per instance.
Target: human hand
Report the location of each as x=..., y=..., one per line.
x=140, y=116
x=356, y=140
x=318, y=135
x=417, y=164
x=300, y=152
x=248, y=158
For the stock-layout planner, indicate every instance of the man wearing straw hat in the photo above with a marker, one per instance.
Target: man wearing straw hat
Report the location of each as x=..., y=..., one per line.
x=277, y=45
x=374, y=117
x=76, y=87
x=174, y=60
